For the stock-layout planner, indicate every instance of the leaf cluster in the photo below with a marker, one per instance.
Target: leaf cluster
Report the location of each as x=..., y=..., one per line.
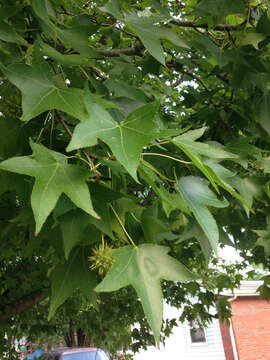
x=148, y=152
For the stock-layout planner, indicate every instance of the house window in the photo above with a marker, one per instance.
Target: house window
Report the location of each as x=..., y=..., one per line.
x=197, y=334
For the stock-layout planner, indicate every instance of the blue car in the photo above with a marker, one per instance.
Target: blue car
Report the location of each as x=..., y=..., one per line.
x=84, y=353
x=35, y=355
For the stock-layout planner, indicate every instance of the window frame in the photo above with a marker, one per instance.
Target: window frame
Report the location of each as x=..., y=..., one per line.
x=197, y=327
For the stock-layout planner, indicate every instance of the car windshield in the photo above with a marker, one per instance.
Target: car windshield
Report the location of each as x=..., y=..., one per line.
x=91, y=355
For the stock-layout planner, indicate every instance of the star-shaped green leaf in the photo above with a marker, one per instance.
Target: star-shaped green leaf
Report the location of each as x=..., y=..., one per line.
x=54, y=176
x=126, y=139
x=39, y=93
x=143, y=267
x=73, y=274
x=198, y=196
x=264, y=240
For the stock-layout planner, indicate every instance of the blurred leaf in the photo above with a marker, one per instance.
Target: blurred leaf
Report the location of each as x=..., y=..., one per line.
x=74, y=274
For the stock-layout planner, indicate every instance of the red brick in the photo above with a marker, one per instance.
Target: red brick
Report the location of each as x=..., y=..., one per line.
x=251, y=327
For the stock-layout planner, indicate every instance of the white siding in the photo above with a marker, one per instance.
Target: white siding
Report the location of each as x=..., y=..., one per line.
x=211, y=350
x=178, y=346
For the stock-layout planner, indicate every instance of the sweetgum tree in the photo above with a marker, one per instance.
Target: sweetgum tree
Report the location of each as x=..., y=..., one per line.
x=134, y=141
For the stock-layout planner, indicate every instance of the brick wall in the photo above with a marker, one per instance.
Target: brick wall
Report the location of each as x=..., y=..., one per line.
x=251, y=327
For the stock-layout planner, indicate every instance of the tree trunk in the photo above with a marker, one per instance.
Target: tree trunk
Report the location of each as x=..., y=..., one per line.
x=69, y=337
x=81, y=337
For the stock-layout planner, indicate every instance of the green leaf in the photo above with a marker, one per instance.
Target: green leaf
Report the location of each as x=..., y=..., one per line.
x=228, y=180
x=72, y=275
x=126, y=139
x=197, y=233
x=253, y=39
x=219, y=9
x=102, y=198
x=264, y=240
x=170, y=201
x=7, y=11
x=188, y=142
x=198, y=196
x=54, y=176
x=264, y=291
x=121, y=208
x=8, y=34
x=263, y=25
x=122, y=89
x=14, y=137
x=73, y=225
x=264, y=113
x=242, y=147
x=193, y=149
x=151, y=34
x=113, y=7
x=78, y=38
x=152, y=226
x=39, y=92
x=41, y=10
x=143, y=267
x=12, y=182
x=67, y=60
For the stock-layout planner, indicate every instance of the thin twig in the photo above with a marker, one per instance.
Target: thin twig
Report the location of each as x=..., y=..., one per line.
x=219, y=27
x=91, y=163
x=195, y=77
x=63, y=122
x=88, y=156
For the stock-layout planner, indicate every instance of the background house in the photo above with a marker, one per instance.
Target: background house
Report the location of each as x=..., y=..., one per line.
x=250, y=325
x=185, y=343
x=248, y=337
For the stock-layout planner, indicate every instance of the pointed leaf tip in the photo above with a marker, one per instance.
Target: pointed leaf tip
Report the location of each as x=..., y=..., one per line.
x=199, y=197
x=53, y=176
x=150, y=263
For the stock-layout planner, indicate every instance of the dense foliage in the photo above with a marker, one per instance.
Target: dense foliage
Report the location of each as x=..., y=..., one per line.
x=134, y=143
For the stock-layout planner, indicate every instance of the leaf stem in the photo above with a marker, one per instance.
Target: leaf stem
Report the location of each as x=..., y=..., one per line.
x=44, y=125
x=160, y=143
x=102, y=241
x=135, y=218
x=168, y=157
x=91, y=163
x=123, y=227
x=157, y=172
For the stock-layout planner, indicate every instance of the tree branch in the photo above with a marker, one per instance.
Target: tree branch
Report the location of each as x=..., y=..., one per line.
x=88, y=156
x=219, y=27
x=24, y=303
x=137, y=50
x=63, y=122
